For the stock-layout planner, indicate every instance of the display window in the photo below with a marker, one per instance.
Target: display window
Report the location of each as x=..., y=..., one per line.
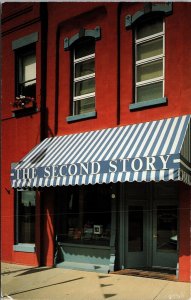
x=84, y=215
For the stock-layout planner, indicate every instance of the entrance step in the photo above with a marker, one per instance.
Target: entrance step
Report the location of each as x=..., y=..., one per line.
x=83, y=266
x=147, y=273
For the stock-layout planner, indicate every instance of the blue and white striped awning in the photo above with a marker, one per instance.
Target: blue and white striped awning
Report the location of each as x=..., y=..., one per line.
x=151, y=151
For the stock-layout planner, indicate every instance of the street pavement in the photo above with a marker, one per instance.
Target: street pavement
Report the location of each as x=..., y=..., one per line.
x=43, y=283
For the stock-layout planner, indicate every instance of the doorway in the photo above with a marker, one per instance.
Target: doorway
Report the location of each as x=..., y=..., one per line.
x=150, y=226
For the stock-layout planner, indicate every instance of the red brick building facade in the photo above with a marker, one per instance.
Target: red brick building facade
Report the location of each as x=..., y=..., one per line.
x=71, y=71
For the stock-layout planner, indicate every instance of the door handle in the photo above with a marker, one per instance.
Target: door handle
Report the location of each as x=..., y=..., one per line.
x=155, y=236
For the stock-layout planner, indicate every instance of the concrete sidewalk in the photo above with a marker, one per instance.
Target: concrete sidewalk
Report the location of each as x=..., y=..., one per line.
x=22, y=282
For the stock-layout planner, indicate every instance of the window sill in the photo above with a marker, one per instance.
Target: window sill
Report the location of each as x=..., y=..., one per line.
x=92, y=114
x=24, y=248
x=147, y=104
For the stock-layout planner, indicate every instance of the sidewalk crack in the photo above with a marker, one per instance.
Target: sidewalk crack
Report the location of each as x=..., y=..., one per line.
x=155, y=298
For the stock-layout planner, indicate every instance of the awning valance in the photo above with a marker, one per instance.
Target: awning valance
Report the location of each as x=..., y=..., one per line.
x=151, y=151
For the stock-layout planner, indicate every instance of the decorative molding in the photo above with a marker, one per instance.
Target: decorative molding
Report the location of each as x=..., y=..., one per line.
x=164, y=9
x=21, y=26
x=17, y=14
x=94, y=33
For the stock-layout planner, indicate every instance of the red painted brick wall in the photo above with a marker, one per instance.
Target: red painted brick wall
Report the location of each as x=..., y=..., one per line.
x=65, y=20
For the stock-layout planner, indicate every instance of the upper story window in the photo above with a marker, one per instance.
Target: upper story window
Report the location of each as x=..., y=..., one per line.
x=84, y=77
x=25, y=65
x=149, y=60
x=26, y=72
x=82, y=46
x=148, y=25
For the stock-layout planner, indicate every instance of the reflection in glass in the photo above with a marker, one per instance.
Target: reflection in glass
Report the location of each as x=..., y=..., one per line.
x=150, y=91
x=150, y=49
x=85, y=105
x=167, y=228
x=150, y=70
x=25, y=217
x=85, y=87
x=85, y=68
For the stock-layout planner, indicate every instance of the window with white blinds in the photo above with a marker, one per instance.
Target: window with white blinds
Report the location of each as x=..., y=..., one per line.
x=149, y=60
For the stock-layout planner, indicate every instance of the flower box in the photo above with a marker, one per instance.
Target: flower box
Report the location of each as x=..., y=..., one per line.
x=23, y=105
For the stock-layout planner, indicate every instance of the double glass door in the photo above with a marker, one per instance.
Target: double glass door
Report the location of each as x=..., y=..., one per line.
x=151, y=234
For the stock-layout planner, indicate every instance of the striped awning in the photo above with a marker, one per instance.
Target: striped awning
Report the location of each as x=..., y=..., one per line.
x=151, y=151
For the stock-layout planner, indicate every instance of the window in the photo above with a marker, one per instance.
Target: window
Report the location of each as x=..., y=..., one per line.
x=26, y=72
x=85, y=216
x=149, y=60
x=84, y=77
x=25, y=217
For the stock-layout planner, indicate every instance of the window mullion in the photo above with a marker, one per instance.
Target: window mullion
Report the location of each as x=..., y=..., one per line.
x=77, y=98
x=148, y=60
x=149, y=38
x=85, y=77
x=149, y=81
x=84, y=58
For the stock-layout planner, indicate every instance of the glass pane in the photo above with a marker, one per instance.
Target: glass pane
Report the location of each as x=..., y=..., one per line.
x=85, y=68
x=27, y=217
x=150, y=49
x=149, y=28
x=135, y=229
x=29, y=67
x=85, y=49
x=85, y=106
x=167, y=228
x=150, y=91
x=150, y=70
x=85, y=221
x=85, y=87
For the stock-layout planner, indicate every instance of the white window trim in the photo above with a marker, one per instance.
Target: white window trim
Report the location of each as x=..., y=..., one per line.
x=83, y=78
x=84, y=58
x=150, y=59
x=82, y=97
x=150, y=81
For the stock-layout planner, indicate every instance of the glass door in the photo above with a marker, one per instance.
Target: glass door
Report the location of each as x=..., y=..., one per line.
x=165, y=241
x=135, y=223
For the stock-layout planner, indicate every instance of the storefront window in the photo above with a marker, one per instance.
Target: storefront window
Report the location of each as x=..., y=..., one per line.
x=86, y=217
x=25, y=217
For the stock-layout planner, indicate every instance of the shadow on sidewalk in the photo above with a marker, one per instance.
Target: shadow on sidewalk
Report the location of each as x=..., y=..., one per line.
x=45, y=286
x=25, y=271
x=34, y=270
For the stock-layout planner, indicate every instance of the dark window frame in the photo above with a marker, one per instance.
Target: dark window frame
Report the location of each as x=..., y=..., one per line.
x=19, y=55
